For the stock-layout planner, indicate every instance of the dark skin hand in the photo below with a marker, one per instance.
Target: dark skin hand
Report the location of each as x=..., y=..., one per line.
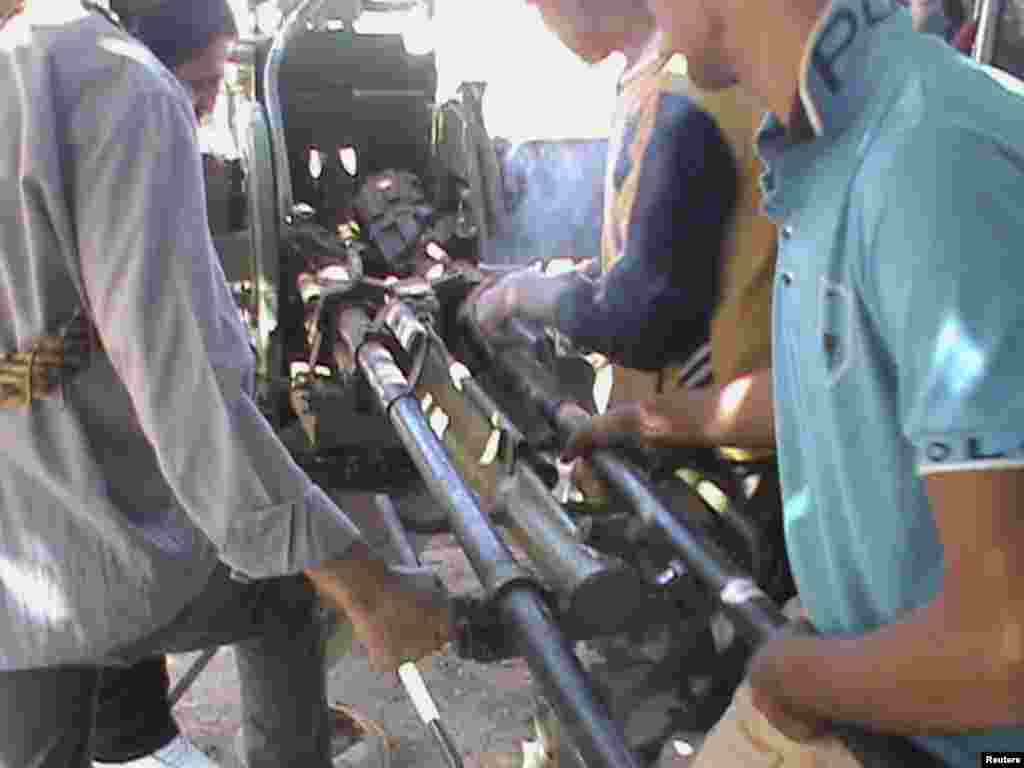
x=396, y=620
x=738, y=414
x=797, y=724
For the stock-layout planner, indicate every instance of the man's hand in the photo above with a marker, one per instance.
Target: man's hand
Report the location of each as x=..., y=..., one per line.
x=768, y=673
x=527, y=293
x=738, y=414
x=616, y=426
x=494, y=304
x=653, y=423
x=400, y=614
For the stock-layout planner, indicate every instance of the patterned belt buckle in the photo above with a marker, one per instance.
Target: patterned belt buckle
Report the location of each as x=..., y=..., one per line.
x=16, y=380
x=41, y=372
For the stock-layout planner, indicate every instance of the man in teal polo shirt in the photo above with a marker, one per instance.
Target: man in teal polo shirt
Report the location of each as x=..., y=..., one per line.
x=895, y=172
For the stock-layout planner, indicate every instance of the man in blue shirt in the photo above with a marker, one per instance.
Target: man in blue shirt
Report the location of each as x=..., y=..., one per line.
x=895, y=171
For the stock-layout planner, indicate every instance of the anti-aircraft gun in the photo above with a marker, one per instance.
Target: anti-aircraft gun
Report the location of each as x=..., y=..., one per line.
x=372, y=211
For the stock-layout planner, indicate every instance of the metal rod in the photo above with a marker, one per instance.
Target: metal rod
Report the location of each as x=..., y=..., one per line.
x=444, y=739
x=755, y=615
x=395, y=530
x=292, y=26
x=597, y=593
x=484, y=547
x=988, y=13
x=425, y=707
x=181, y=688
x=518, y=601
x=565, y=683
x=462, y=379
x=409, y=673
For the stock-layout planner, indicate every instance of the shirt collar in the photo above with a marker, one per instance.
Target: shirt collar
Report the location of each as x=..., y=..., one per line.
x=833, y=88
x=836, y=84
x=102, y=7
x=831, y=71
x=653, y=59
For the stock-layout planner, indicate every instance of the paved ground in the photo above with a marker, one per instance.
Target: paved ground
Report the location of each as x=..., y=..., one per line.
x=486, y=707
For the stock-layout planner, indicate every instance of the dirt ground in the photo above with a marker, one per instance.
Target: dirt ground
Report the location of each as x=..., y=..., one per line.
x=486, y=707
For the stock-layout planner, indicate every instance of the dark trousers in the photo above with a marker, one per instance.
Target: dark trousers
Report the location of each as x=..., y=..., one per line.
x=276, y=628
x=133, y=714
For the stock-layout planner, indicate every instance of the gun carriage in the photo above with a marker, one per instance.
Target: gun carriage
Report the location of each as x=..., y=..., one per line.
x=372, y=214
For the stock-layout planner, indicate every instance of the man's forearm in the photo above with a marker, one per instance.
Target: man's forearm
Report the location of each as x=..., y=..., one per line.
x=921, y=676
x=398, y=616
x=350, y=581
x=739, y=414
x=742, y=413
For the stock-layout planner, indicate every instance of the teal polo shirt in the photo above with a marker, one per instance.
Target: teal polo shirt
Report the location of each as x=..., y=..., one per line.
x=898, y=314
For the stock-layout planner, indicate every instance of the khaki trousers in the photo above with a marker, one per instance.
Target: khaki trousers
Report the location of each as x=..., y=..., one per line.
x=744, y=738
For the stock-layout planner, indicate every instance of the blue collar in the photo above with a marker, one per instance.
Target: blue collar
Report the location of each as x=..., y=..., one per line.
x=837, y=81
x=833, y=87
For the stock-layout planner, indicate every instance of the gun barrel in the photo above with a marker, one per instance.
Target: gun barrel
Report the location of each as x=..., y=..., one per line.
x=518, y=600
x=597, y=593
x=755, y=615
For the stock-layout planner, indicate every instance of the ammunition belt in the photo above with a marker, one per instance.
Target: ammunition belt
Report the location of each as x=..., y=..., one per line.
x=41, y=372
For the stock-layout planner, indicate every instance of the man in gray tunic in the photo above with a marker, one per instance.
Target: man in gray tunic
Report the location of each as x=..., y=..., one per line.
x=146, y=506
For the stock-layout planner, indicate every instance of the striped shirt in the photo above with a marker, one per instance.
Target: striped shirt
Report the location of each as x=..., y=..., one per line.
x=670, y=191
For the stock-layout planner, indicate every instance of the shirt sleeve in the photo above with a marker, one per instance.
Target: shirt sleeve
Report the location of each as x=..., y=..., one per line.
x=947, y=266
x=654, y=307
x=165, y=317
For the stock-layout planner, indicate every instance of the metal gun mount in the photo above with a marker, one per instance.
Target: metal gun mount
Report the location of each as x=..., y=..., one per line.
x=380, y=381
x=480, y=423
